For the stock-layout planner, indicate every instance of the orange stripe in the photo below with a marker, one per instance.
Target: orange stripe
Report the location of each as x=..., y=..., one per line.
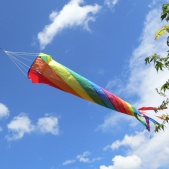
x=126, y=107
x=41, y=66
x=119, y=101
x=153, y=115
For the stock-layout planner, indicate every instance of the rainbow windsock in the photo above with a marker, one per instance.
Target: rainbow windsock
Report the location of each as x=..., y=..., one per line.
x=47, y=71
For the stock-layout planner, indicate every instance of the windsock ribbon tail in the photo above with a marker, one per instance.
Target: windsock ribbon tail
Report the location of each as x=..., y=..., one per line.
x=138, y=114
x=147, y=114
x=147, y=119
x=150, y=108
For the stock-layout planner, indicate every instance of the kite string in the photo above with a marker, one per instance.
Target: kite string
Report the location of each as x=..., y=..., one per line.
x=11, y=57
x=23, y=53
x=18, y=60
x=20, y=64
x=19, y=56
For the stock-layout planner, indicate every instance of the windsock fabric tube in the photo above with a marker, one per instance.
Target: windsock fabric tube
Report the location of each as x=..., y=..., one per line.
x=47, y=71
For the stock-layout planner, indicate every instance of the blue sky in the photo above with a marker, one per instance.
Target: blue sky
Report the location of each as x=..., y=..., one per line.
x=104, y=41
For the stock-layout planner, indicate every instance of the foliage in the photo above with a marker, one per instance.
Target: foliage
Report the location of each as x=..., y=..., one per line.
x=161, y=63
x=165, y=12
x=162, y=31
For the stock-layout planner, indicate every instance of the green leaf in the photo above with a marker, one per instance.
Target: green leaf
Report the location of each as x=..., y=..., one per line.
x=163, y=16
x=147, y=60
x=159, y=65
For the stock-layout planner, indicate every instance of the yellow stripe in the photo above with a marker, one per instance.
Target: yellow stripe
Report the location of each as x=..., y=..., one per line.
x=129, y=106
x=69, y=79
x=43, y=54
x=140, y=117
x=126, y=106
x=155, y=124
x=131, y=109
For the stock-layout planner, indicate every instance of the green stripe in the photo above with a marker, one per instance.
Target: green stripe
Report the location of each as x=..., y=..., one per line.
x=87, y=87
x=135, y=114
x=134, y=109
x=44, y=58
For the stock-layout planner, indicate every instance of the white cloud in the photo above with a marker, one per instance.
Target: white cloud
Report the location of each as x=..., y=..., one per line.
x=68, y=162
x=96, y=159
x=48, y=125
x=1, y=129
x=132, y=141
x=154, y=2
x=143, y=80
x=4, y=112
x=82, y=157
x=19, y=126
x=71, y=15
x=145, y=77
x=120, y=162
x=115, y=83
x=153, y=152
x=111, y=3
x=111, y=121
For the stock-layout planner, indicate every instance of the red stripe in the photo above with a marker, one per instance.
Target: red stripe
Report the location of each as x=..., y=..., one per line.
x=120, y=103
x=41, y=66
x=39, y=78
x=150, y=108
x=112, y=99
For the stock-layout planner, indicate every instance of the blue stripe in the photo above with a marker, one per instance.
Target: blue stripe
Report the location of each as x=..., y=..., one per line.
x=102, y=95
x=148, y=117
